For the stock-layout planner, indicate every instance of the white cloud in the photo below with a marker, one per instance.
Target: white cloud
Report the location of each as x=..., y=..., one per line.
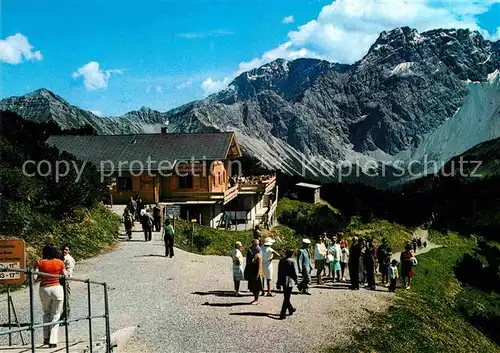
x=185, y=84
x=210, y=86
x=94, y=78
x=288, y=19
x=97, y=112
x=14, y=48
x=344, y=30
x=159, y=89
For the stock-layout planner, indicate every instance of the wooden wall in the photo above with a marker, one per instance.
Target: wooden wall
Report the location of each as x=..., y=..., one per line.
x=146, y=186
x=219, y=178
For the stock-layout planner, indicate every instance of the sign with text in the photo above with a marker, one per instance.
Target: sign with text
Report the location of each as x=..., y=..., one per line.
x=12, y=255
x=174, y=210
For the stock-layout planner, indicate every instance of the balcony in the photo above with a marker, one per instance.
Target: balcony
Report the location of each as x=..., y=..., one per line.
x=256, y=184
x=244, y=186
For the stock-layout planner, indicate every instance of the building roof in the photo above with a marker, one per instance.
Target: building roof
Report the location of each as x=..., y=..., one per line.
x=310, y=186
x=167, y=147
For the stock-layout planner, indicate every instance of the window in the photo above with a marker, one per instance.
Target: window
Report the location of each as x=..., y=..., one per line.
x=186, y=182
x=124, y=184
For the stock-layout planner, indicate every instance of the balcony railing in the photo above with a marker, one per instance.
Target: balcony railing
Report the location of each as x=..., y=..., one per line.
x=257, y=184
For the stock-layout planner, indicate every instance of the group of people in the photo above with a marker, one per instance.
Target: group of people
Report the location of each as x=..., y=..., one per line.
x=149, y=217
x=258, y=271
x=362, y=260
x=417, y=244
x=55, y=301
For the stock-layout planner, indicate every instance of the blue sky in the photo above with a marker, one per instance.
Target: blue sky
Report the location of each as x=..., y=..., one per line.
x=115, y=56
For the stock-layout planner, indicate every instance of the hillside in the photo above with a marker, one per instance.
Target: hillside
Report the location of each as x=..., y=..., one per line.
x=43, y=209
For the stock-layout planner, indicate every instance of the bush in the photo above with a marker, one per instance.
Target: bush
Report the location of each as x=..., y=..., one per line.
x=41, y=209
x=308, y=219
x=211, y=241
x=397, y=235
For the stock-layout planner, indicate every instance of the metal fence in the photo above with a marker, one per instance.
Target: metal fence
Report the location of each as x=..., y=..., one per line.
x=32, y=326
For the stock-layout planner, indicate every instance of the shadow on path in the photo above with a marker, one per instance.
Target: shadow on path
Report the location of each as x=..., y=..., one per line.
x=218, y=293
x=224, y=305
x=345, y=286
x=151, y=255
x=271, y=316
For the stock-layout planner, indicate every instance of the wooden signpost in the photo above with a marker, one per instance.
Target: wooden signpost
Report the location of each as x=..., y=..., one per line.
x=12, y=255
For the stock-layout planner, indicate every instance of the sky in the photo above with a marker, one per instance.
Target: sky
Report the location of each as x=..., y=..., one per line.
x=114, y=56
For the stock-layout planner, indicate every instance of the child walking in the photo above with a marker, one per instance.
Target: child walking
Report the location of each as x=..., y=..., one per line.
x=393, y=275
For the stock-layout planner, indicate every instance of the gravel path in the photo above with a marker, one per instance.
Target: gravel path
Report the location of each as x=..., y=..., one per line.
x=182, y=305
x=424, y=235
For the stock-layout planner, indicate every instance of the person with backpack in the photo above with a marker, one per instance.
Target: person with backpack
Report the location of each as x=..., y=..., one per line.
x=168, y=237
x=147, y=225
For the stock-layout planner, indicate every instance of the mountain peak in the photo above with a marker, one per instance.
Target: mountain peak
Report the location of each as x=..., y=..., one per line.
x=45, y=94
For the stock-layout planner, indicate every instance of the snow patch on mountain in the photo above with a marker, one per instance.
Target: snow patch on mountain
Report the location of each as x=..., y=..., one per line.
x=403, y=68
x=494, y=76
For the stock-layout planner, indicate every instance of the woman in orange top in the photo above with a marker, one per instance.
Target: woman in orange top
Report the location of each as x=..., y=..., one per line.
x=51, y=292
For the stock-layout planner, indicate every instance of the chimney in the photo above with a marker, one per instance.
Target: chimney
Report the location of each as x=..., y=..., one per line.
x=164, y=130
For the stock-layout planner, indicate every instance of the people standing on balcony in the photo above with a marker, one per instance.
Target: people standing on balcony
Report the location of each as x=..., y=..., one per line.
x=305, y=267
x=69, y=263
x=168, y=237
x=237, y=268
x=51, y=293
x=267, y=258
x=147, y=224
x=157, y=217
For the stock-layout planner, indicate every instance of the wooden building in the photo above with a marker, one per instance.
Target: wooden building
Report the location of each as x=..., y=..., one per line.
x=308, y=192
x=198, y=171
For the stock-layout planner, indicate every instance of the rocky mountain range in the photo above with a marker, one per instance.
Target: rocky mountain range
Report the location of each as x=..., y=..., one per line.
x=413, y=95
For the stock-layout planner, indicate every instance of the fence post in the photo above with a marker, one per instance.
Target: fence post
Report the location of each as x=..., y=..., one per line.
x=89, y=303
x=8, y=313
x=32, y=315
x=66, y=329
x=106, y=316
